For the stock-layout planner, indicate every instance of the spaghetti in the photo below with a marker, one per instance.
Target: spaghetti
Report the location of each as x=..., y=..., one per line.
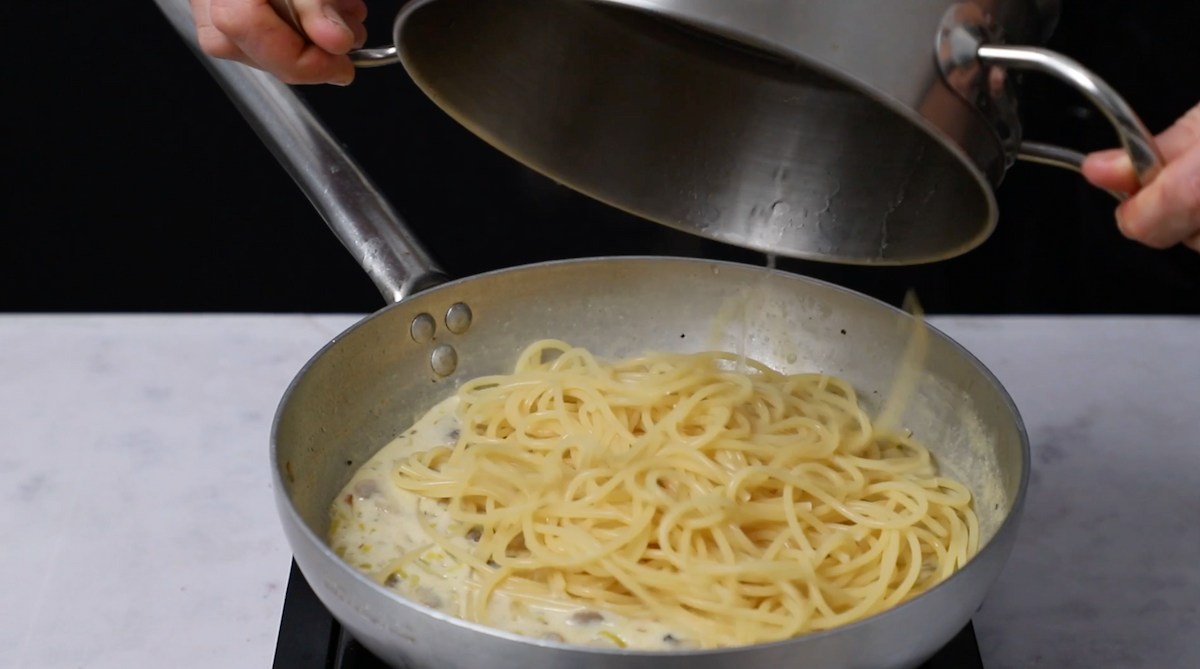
x=704, y=493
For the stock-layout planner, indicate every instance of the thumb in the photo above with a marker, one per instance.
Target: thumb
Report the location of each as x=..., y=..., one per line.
x=1112, y=169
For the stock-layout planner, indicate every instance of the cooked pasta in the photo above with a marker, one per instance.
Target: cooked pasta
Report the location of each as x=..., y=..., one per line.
x=702, y=498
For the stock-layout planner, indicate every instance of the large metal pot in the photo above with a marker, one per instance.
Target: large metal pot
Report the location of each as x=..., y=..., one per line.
x=371, y=381
x=854, y=131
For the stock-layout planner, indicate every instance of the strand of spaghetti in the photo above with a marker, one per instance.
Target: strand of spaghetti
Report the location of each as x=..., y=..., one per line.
x=396, y=565
x=899, y=592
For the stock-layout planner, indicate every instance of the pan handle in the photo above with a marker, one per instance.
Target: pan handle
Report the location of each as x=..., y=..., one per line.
x=355, y=210
x=361, y=58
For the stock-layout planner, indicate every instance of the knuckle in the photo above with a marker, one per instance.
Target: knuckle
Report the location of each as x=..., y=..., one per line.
x=1135, y=229
x=227, y=19
x=215, y=44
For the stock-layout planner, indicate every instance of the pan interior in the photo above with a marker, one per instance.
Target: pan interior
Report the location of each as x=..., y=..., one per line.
x=375, y=380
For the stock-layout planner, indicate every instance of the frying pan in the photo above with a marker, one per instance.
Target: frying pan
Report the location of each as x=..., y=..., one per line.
x=373, y=380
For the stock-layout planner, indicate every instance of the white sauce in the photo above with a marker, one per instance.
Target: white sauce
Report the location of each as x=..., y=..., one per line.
x=374, y=523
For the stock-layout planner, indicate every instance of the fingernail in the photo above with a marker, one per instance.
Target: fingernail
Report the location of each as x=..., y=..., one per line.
x=1110, y=158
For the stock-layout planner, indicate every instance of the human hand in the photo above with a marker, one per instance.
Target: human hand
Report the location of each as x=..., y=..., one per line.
x=1167, y=211
x=250, y=32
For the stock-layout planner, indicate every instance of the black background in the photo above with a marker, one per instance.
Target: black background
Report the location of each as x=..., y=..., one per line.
x=131, y=183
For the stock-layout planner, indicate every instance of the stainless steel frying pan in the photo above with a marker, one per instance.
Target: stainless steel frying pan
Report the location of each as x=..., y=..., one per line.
x=374, y=379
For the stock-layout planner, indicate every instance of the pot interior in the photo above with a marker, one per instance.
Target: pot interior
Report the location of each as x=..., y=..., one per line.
x=722, y=138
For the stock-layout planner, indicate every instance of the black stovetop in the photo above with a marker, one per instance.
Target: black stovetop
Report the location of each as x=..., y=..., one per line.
x=309, y=638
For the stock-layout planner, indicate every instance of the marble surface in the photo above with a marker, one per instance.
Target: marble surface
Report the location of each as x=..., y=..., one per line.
x=137, y=526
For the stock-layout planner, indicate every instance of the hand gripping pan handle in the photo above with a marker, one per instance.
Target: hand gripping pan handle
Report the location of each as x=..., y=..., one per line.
x=342, y=193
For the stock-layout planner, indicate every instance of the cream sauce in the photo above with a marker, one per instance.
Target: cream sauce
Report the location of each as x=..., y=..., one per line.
x=374, y=524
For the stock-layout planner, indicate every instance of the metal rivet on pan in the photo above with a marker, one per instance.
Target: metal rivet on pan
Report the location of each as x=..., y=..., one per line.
x=422, y=328
x=443, y=360
x=458, y=318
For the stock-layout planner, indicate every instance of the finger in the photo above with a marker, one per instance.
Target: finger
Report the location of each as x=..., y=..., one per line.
x=1182, y=135
x=353, y=10
x=1168, y=210
x=273, y=45
x=1113, y=170
x=327, y=26
x=355, y=13
x=212, y=41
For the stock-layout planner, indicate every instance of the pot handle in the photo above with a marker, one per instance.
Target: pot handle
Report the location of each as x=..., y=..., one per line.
x=1057, y=156
x=1134, y=137
x=362, y=58
x=355, y=210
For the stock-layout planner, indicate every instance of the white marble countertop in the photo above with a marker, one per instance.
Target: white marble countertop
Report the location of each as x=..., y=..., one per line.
x=138, y=527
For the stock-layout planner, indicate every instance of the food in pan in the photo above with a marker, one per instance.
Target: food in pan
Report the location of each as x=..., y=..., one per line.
x=667, y=501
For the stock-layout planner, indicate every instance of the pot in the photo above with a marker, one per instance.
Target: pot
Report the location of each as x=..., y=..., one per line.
x=851, y=131
x=371, y=381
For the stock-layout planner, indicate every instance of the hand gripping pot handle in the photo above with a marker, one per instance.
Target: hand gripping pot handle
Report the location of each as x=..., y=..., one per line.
x=963, y=47
x=350, y=203
x=1132, y=133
